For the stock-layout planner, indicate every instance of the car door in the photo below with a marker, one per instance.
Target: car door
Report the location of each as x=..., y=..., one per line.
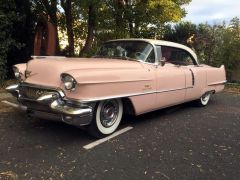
x=171, y=78
x=195, y=78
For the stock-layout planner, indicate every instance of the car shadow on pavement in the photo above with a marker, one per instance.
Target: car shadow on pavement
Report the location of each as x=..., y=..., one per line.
x=34, y=128
x=50, y=131
x=158, y=114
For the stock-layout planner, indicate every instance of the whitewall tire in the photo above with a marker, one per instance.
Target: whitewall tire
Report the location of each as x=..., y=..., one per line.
x=203, y=101
x=107, y=117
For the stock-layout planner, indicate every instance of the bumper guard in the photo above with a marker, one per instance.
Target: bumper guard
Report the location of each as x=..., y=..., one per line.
x=59, y=109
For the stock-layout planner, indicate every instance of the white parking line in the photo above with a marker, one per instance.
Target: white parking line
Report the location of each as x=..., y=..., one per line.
x=10, y=104
x=100, y=141
x=93, y=144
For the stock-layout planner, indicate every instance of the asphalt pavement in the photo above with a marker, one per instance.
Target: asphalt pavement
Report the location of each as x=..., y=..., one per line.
x=183, y=142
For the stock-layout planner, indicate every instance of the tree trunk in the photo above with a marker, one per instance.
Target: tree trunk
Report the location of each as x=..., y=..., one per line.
x=129, y=17
x=56, y=29
x=51, y=8
x=131, y=33
x=91, y=28
x=67, y=6
x=119, y=19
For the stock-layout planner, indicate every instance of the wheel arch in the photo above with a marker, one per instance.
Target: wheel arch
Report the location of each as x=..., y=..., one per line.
x=128, y=107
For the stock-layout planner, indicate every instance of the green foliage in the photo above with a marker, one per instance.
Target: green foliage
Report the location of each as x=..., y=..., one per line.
x=142, y=19
x=228, y=48
x=214, y=44
x=8, y=17
x=16, y=34
x=22, y=33
x=180, y=33
x=123, y=18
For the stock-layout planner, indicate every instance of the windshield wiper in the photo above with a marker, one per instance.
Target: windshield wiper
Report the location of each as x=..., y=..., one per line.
x=125, y=58
x=117, y=57
x=98, y=56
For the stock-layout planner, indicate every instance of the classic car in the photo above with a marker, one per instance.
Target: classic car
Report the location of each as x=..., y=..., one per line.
x=131, y=76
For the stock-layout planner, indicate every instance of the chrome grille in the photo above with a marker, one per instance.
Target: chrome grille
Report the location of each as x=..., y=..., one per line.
x=33, y=92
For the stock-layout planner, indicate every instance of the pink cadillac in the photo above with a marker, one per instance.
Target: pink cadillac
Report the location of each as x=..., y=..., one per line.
x=131, y=76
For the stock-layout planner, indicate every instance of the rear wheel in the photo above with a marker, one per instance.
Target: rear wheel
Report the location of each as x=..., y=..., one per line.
x=107, y=117
x=203, y=101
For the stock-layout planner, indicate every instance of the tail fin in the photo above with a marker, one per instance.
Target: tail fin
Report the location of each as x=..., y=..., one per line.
x=223, y=69
x=222, y=66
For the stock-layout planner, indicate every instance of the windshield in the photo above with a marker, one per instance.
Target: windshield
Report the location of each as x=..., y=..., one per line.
x=128, y=50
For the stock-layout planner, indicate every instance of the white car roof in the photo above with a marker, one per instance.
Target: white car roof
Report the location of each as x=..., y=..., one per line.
x=162, y=43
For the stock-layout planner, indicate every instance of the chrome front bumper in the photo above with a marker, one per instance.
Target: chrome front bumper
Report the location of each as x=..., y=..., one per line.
x=54, y=106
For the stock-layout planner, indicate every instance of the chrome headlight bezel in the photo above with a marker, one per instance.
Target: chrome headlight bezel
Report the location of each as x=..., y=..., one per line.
x=17, y=73
x=68, y=81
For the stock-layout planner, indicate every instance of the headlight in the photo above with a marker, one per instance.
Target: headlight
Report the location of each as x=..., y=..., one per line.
x=69, y=81
x=16, y=72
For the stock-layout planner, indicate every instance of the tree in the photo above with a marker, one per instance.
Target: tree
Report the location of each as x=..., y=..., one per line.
x=228, y=48
x=67, y=7
x=22, y=33
x=180, y=33
x=90, y=28
x=214, y=44
x=48, y=9
x=149, y=17
x=137, y=18
x=8, y=18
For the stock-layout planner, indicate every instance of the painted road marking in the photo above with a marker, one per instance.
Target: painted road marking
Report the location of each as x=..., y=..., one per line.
x=24, y=108
x=10, y=104
x=100, y=141
x=93, y=144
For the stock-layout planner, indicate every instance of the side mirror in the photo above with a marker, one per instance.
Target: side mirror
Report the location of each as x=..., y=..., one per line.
x=162, y=61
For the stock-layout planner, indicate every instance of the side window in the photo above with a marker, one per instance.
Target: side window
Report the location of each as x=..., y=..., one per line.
x=177, y=56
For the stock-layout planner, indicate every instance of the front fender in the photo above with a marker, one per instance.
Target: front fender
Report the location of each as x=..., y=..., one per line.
x=97, y=76
x=22, y=68
x=110, y=83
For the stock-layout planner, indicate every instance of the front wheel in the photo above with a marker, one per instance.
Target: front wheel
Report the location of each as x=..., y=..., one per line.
x=107, y=117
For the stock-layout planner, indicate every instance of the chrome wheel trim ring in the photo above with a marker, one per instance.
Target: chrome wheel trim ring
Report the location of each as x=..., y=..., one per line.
x=108, y=130
x=109, y=113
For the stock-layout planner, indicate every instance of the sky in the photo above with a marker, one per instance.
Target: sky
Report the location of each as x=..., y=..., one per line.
x=212, y=11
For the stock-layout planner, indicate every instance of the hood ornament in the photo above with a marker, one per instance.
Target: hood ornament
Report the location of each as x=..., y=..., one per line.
x=28, y=73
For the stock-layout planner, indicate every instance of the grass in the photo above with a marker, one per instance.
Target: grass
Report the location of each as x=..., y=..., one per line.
x=7, y=83
x=233, y=88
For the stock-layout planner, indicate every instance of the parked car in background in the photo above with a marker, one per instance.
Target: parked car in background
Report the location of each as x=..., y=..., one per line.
x=132, y=76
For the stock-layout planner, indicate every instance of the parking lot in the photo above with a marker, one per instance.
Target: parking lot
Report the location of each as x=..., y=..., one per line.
x=183, y=142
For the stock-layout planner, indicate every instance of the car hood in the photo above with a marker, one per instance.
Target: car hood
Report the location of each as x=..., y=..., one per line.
x=47, y=71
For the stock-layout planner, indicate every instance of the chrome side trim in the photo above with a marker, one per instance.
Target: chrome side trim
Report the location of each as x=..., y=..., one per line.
x=217, y=83
x=128, y=95
x=111, y=97
x=168, y=90
x=106, y=82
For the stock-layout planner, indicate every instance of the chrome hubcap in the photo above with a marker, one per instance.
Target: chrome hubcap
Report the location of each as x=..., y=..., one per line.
x=109, y=113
